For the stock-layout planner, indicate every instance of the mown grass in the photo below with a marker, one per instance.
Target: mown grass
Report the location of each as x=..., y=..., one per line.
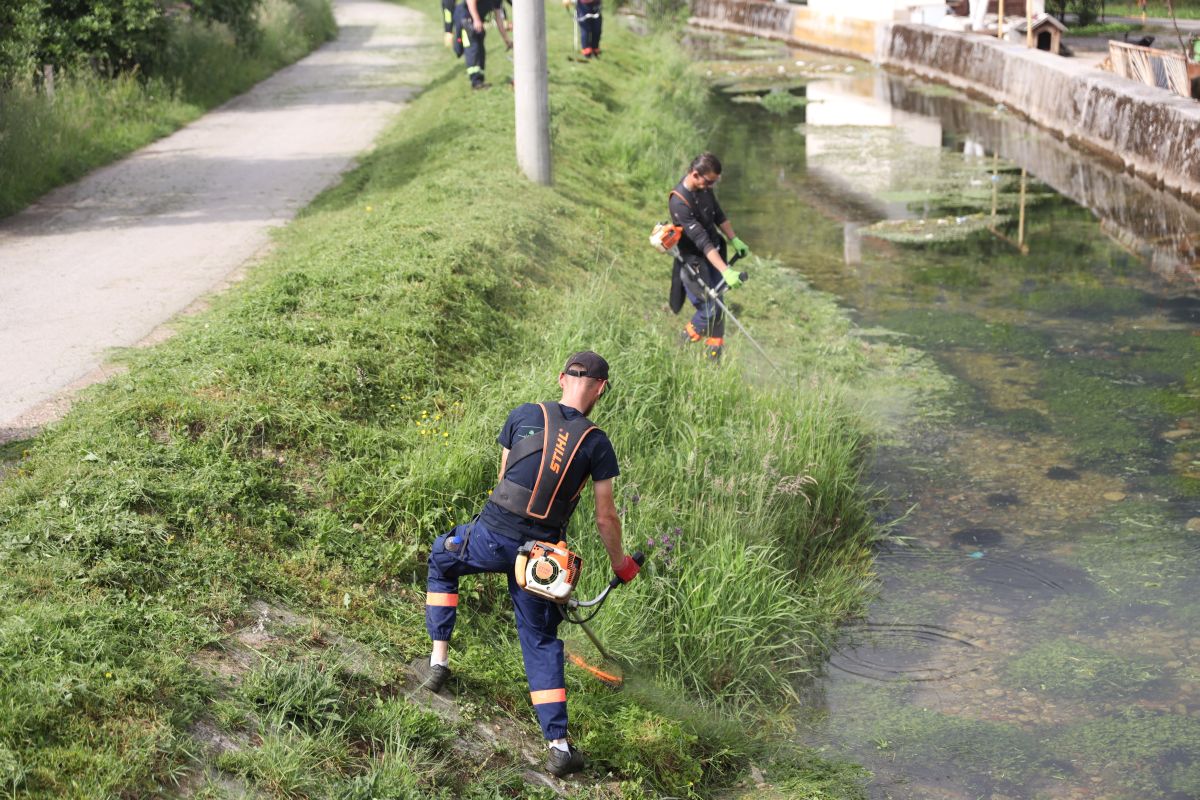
x=92, y=120
x=306, y=438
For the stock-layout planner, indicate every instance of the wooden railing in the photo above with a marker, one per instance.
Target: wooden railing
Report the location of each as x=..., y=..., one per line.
x=1150, y=66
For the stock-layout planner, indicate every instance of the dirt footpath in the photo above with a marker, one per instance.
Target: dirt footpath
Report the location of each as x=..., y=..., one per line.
x=103, y=262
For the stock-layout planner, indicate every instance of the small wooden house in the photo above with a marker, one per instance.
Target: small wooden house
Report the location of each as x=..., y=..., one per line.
x=1047, y=32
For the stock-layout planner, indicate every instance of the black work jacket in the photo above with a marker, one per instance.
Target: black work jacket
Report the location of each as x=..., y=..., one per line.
x=699, y=214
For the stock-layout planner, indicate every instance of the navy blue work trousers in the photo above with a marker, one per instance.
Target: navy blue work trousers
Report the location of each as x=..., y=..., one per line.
x=590, y=23
x=537, y=619
x=708, y=321
x=469, y=44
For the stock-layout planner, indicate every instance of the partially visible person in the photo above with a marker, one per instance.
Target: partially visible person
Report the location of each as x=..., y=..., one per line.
x=448, y=21
x=702, y=252
x=549, y=451
x=587, y=15
x=469, y=35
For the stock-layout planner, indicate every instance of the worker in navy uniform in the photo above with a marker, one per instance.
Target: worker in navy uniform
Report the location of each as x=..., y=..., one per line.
x=468, y=32
x=534, y=500
x=448, y=21
x=702, y=252
x=587, y=16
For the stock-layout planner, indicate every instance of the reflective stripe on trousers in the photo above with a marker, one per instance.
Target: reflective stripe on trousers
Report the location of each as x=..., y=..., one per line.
x=537, y=619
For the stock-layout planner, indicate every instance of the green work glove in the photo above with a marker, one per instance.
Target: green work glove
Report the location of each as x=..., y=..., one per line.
x=740, y=248
x=732, y=279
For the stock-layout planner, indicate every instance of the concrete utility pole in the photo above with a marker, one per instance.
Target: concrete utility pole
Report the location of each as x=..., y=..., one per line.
x=531, y=89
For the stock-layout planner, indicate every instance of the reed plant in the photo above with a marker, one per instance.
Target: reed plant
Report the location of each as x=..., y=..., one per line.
x=305, y=438
x=48, y=139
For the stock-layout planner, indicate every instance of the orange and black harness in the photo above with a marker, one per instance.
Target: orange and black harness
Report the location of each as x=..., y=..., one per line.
x=546, y=503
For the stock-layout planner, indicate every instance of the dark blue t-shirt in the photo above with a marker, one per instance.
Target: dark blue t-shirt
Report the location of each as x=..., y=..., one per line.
x=596, y=459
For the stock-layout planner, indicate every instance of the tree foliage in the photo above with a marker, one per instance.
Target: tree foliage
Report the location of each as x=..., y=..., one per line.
x=108, y=36
x=1087, y=11
x=20, y=23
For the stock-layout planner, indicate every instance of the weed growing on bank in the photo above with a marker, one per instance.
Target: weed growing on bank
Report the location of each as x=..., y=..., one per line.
x=305, y=439
x=92, y=120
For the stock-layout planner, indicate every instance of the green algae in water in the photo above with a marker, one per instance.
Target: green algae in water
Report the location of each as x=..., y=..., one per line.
x=1109, y=425
x=928, y=231
x=1021, y=421
x=1077, y=300
x=1143, y=752
x=938, y=329
x=950, y=276
x=983, y=750
x=1065, y=668
x=1166, y=352
x=782, y=103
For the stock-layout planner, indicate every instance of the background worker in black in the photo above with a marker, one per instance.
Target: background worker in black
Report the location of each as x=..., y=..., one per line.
x=694, y=207
x=448, y=21
x=512, y=516
x=587, y=15
x=469, y=17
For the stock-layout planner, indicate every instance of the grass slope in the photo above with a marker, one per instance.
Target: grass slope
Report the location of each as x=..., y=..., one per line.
x=305, y=439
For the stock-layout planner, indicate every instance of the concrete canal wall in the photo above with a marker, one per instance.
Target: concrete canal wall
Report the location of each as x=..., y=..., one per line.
x=1149, y=131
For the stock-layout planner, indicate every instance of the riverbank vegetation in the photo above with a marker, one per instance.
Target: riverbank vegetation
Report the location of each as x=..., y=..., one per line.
x=303, y=440
x=84, y=84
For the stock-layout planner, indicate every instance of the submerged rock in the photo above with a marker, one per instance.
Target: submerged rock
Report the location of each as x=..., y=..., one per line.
x=1062, y=474
x=977, y=537
x=1003, y=499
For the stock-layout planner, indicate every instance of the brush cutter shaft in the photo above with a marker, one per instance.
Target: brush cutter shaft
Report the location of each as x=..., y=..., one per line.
x=715, y=296
x=573, y=604
x=599, y=647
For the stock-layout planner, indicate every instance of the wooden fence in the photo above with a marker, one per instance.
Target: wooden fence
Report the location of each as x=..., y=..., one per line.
x=1150, y=66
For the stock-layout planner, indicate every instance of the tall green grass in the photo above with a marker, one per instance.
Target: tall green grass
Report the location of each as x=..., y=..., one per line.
x=306, y=438
x=92, y=120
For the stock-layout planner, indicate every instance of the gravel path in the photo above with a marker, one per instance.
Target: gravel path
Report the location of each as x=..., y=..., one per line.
x=103, y=262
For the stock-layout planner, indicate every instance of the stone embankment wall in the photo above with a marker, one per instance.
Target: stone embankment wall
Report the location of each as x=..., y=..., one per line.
x=1150, y=131
x=791, y=23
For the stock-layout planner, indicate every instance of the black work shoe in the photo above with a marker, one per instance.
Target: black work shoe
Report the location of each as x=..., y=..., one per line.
x=436, y=678
x=478, y=86
x=560, y=764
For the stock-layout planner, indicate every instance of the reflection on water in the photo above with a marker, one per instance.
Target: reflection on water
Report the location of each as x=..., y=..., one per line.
x=1038, y=636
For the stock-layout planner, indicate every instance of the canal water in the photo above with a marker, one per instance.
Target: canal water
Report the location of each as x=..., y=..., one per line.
x=1037, y=631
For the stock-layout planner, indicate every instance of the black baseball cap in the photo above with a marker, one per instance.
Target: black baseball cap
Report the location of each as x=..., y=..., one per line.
x=594, y=366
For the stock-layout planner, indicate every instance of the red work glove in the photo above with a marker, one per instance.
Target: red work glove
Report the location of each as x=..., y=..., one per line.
x=628, y=569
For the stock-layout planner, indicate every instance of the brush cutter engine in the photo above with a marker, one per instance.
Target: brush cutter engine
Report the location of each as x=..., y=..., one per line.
x=548, y=570
x=665, y=237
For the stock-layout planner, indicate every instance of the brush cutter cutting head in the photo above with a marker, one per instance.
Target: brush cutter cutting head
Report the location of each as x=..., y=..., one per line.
x=609, y=675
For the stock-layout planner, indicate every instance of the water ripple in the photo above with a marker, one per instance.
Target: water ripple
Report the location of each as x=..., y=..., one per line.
x=896, y=652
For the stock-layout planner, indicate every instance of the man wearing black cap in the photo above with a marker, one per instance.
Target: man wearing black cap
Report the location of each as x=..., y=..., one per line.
x=534, y=500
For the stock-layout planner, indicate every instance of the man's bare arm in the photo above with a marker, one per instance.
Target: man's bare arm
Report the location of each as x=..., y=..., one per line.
x=608, y=523
x=503, y=463
x=502, y=27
